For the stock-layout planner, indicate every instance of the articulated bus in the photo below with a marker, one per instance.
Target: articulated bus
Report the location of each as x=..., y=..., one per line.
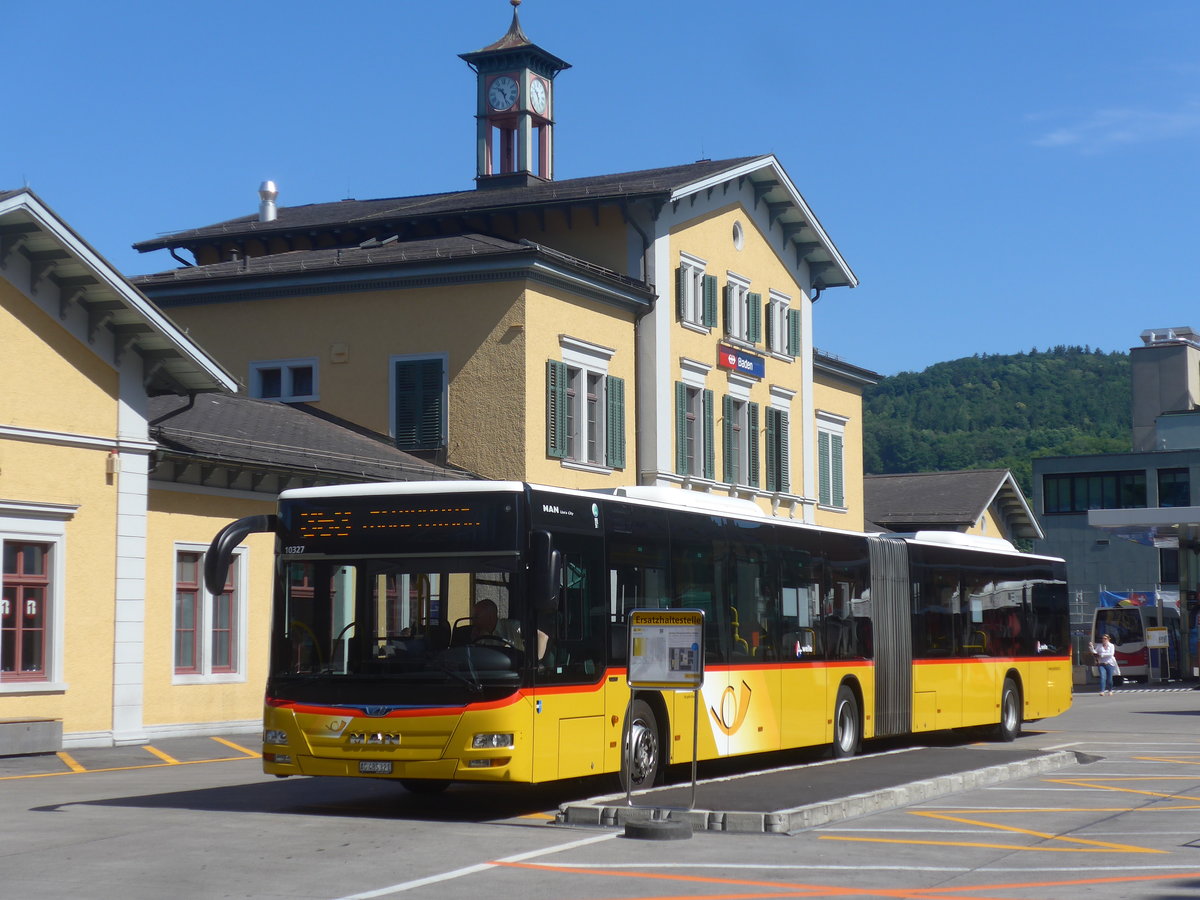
x=435, y=632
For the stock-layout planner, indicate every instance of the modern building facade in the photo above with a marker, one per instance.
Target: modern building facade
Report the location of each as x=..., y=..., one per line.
x=651, y=327
x=1130, y=522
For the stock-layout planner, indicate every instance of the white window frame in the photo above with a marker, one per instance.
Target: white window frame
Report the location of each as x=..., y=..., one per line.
x=831, y=425
x=737, y=305
x=777, y=325
x=204, y=621
x=44, y=523
x=287, y=368
x=585, y=360
x=692, y=302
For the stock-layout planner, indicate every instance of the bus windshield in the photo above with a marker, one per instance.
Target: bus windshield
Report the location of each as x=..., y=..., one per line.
x=401, y=632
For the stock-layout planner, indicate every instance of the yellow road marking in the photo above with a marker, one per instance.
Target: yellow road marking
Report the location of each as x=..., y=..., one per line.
x=169, y=760
x=985, y=846
x=69, y=762
x=928, y=814
x=1119, y=790
x=230, y=744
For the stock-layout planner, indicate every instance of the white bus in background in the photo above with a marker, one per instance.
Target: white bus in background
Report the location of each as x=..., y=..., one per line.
x=1126, y=627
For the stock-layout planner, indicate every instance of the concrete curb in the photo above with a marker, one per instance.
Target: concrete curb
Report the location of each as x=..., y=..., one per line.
x=605, y=812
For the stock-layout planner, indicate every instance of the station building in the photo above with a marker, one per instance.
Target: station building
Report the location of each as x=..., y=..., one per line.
x=651, y=327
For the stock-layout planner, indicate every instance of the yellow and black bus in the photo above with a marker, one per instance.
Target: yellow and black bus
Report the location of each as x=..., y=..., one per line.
x=433, y=632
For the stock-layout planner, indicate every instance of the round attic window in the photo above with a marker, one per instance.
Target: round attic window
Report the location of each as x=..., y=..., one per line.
x=738, y=236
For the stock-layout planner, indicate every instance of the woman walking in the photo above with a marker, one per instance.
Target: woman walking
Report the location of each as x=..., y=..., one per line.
x=1106, y=662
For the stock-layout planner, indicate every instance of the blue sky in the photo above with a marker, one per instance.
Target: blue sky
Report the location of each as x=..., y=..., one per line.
x=1001, y=176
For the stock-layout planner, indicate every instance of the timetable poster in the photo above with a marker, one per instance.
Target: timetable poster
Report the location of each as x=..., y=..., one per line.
x=666, y=648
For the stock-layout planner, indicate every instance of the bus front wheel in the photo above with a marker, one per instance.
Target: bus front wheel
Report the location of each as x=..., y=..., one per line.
x=644, y=763
x=1010, y=712
x=847, y=724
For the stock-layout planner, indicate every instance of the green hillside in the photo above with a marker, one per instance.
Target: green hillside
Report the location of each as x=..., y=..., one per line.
x=998, y=411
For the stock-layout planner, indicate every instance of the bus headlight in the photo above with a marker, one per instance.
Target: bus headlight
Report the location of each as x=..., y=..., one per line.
x=491, y=741
x=274, y=736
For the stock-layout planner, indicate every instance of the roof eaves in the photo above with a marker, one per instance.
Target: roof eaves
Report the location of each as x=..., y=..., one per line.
x=207, y=374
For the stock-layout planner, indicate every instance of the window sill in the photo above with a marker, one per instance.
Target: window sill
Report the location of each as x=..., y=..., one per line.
x=587, y=467
x=223, y=678
x=696, y=327
x=33, y=687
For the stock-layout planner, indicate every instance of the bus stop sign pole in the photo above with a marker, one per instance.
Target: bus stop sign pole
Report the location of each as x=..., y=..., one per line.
x=666, y=652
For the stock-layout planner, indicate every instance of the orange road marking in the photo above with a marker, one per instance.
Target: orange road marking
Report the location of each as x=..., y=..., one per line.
x=69, y=762
x=781, y=889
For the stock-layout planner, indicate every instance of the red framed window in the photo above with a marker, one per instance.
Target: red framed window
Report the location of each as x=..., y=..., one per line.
x=206, y=628
x=187, y=612
x=23, y=611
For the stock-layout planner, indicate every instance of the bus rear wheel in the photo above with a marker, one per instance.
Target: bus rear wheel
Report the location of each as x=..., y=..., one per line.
x=644, y=764
x=1010, y=712
x=847, y=724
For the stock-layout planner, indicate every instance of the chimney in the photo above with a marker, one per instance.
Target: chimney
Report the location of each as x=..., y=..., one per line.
x=267, y=211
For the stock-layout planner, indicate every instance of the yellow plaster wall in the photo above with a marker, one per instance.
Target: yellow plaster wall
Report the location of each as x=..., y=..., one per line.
x=835, y=396
x=710, y=237
x=41, y=361
x=599, y=240
x=173, y=518
x=552, y=313
x=54, y=383
x=478, y=326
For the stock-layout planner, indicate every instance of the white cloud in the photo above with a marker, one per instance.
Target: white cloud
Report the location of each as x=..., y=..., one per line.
x=1107, y=128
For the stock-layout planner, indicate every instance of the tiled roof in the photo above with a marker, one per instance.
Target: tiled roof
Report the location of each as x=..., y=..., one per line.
x=946, y=500
x=238, y=431
x=647, y=182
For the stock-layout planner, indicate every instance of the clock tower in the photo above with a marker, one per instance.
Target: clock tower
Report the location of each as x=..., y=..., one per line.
x=514, y=109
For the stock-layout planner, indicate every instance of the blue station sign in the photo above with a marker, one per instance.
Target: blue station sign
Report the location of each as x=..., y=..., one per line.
x=740, y=361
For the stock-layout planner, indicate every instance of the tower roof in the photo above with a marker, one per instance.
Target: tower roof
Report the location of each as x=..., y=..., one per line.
x=514, y=47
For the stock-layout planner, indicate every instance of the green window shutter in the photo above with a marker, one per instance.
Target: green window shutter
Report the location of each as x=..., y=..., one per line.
x=681, y=276
x=680, y=428
x=728, y=307
x=839, y=498
x=772, y=450
x=615, y=391
x=793, y=335
x=729, y=463
x=420, y=403
x=710, y=301
x=824, y=469
x=771, y=325
x=785, y=456
x=556, y=409
x=754, y=325
x=752, y=445
x=710, y=463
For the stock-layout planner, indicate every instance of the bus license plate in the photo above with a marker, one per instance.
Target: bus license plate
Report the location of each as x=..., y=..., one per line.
x=375, y=767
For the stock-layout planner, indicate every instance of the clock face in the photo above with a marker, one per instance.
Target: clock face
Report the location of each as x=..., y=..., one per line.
x=502, y=93
x=537, y=96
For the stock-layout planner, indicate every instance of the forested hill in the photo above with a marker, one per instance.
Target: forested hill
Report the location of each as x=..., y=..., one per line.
x=998, y=411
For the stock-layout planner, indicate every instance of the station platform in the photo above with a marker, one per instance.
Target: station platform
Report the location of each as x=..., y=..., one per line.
x=792, y=798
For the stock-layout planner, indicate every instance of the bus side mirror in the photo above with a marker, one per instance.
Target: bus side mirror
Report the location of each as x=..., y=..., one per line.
x=220, y=551
x=545, y=573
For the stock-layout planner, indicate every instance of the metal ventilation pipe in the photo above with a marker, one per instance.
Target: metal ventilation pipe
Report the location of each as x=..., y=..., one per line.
x=267, y=211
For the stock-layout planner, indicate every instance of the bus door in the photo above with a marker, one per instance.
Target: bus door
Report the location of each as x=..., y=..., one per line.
x=803, y=675
x=639, y=569
x=750, y=714
x=891, y=608
x=570, y=732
